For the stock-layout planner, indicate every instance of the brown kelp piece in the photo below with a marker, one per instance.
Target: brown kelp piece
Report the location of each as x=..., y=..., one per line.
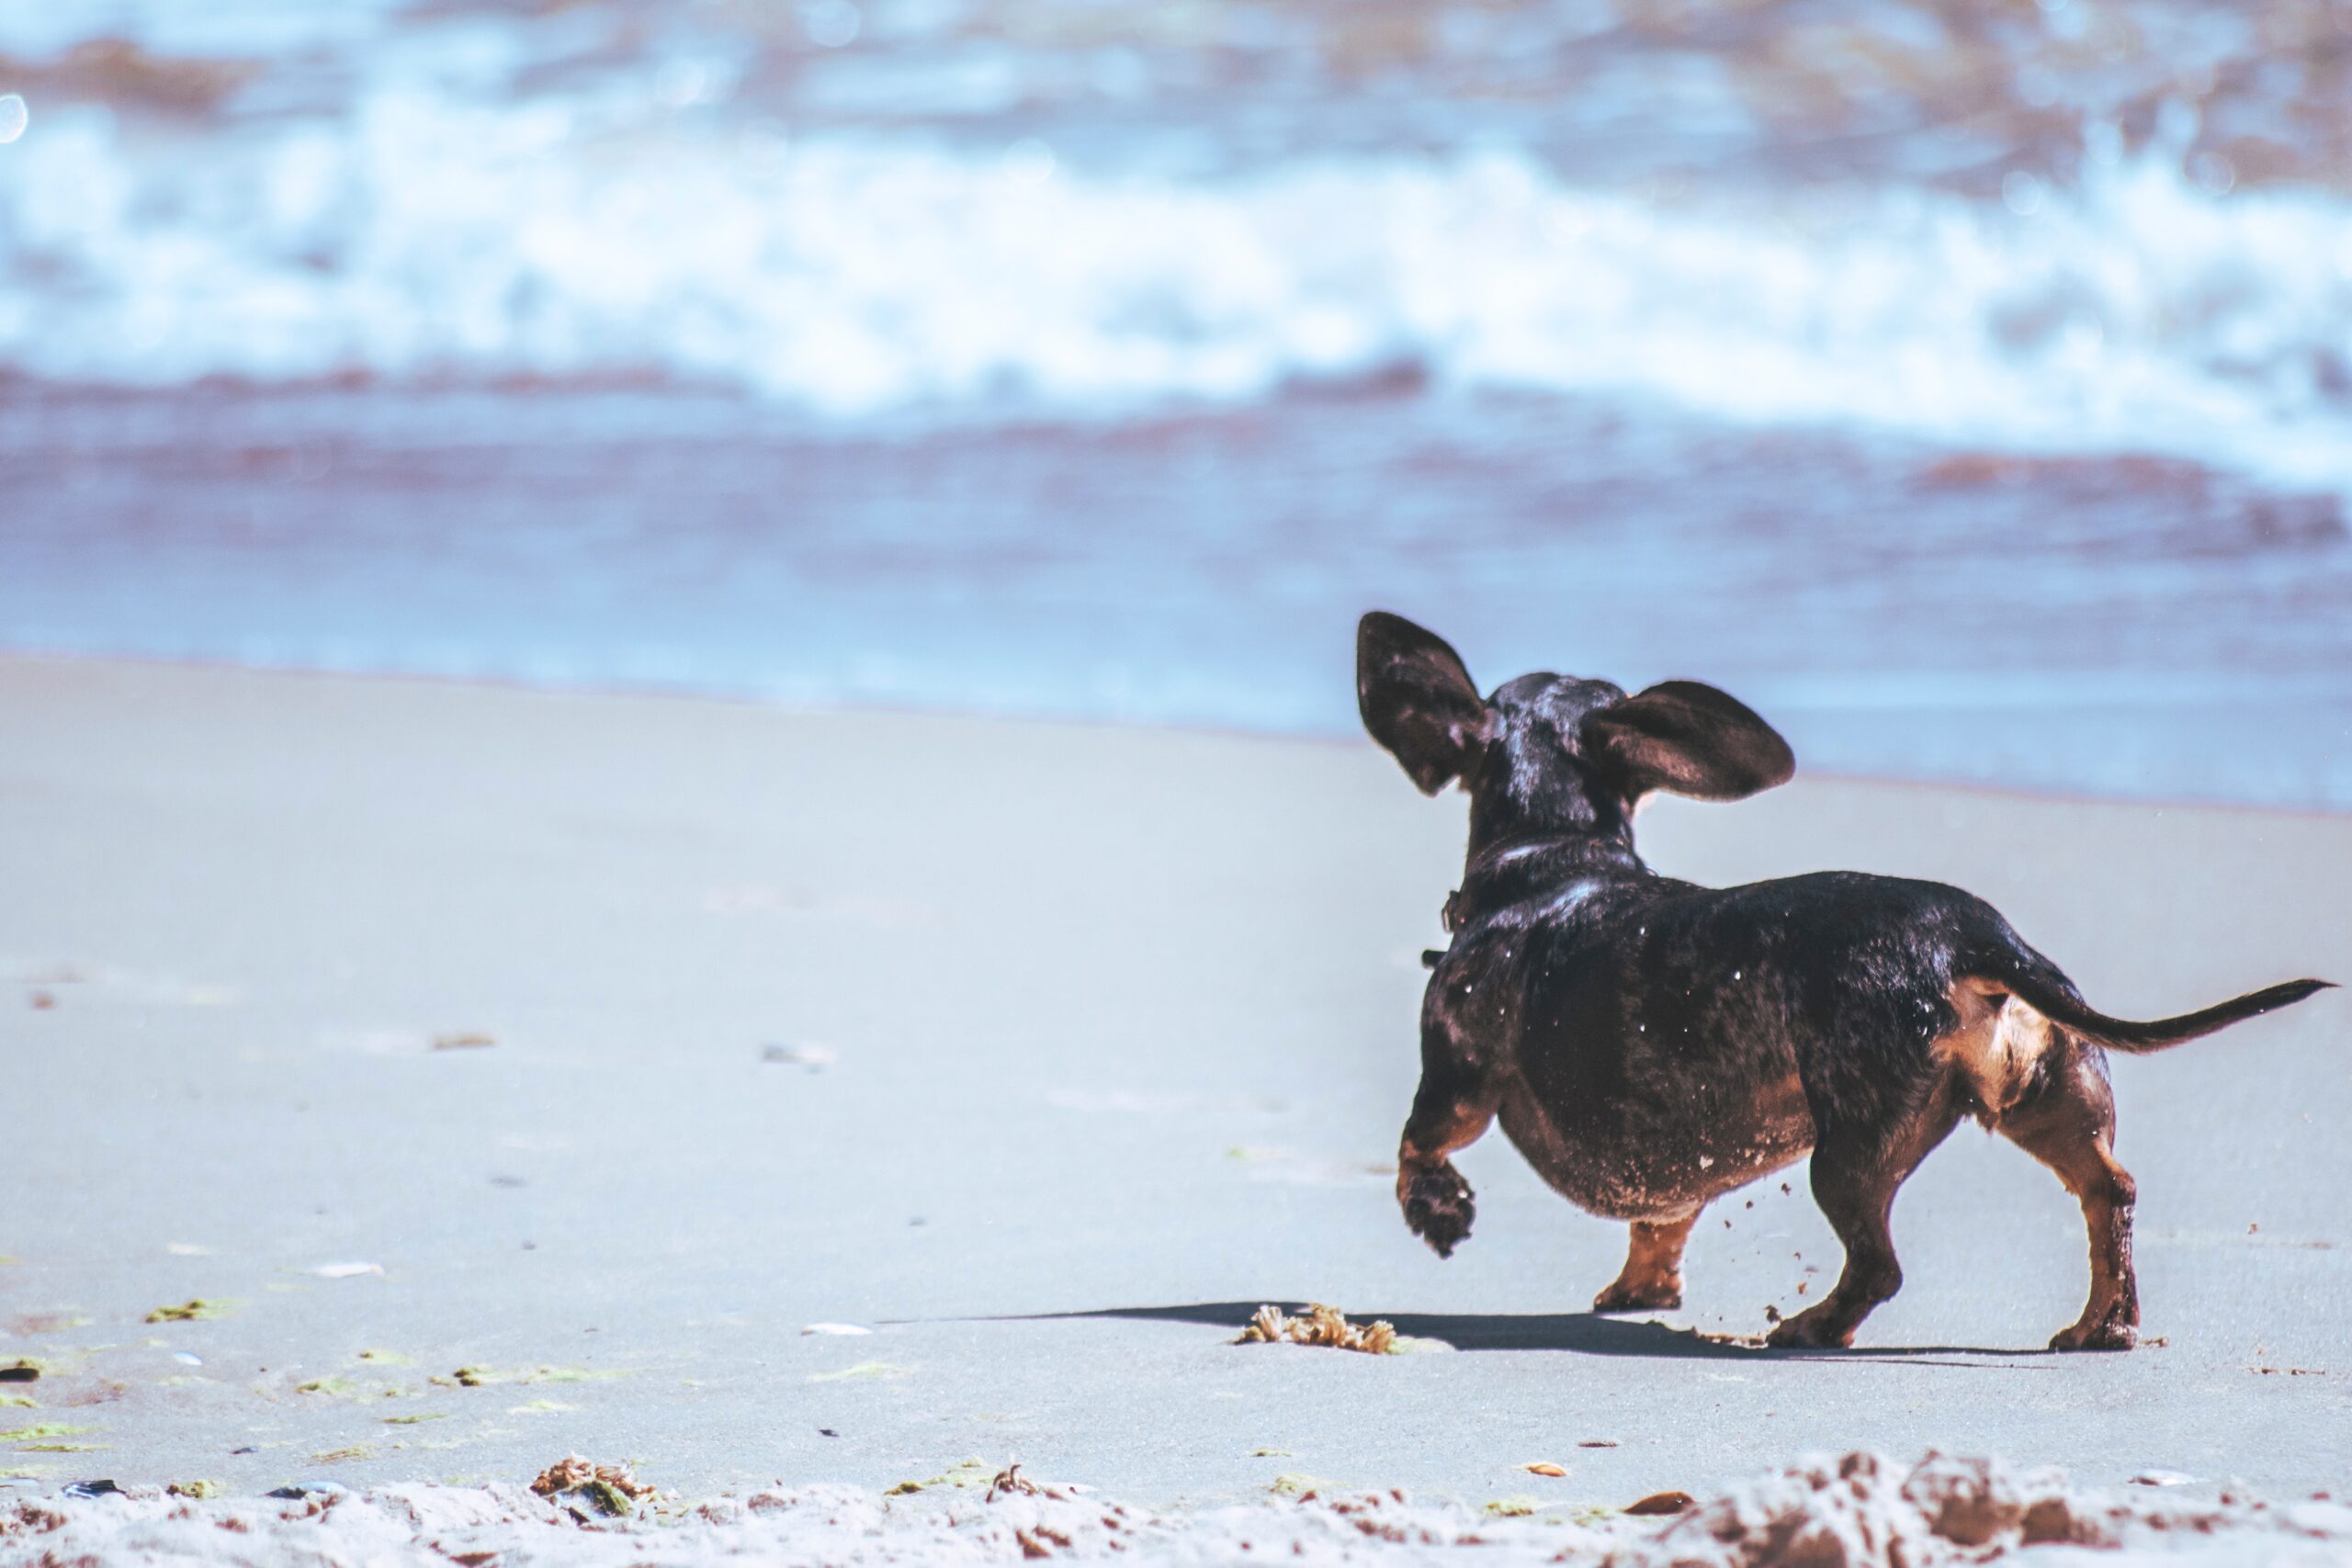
x=1010, y=1482
x=1319, y=1324
x=612, y=1488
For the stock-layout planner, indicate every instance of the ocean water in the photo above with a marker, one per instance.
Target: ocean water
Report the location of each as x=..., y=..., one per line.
x=1968, y=385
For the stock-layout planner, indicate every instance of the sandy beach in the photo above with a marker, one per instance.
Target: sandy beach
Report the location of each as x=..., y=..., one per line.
x=599, y=1047
x=689, y=870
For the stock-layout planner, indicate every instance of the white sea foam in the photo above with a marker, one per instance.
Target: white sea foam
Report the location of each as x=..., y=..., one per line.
x=430, y=234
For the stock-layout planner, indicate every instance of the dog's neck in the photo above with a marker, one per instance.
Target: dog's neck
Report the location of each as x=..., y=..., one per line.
x=1539, y=817
x=1532, y=786
x=1510, y=869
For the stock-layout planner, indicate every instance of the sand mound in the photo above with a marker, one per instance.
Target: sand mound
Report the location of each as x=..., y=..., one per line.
x=1847, y=1513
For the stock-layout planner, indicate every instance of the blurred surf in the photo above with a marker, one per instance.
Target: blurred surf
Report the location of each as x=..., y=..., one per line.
x=594, y=194
x=422, y=242
x=1940, y=370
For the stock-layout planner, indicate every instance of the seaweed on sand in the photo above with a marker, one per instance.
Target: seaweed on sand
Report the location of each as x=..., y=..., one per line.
x=195, y=1310
x=1320, y=1325
x=612, y=1489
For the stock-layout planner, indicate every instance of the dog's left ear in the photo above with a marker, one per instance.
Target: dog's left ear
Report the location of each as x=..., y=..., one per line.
x=1687, y=737
x=1417, y=700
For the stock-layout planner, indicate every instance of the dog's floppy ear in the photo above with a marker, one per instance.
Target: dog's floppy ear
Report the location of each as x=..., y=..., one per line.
x=1417, y=699
x=1688, y=738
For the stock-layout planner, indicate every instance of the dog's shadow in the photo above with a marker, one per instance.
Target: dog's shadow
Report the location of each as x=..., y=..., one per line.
x=1582, y=1333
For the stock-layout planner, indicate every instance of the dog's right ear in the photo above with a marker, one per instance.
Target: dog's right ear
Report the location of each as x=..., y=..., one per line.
x=1687, y=737
x=1417, y=699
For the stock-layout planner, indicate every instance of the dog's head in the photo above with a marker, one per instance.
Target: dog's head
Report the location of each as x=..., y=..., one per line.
x=1550, y=752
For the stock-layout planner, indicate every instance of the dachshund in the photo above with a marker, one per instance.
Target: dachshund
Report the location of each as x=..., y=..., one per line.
x=1649, y=1044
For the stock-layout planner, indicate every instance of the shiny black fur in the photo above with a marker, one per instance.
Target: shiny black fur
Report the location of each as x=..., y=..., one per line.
x=1649, y=1044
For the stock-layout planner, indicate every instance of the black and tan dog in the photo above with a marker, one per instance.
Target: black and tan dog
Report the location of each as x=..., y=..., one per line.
x=1649, y=1044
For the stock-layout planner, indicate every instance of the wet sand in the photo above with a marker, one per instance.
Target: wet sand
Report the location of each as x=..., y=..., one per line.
x=602, y=1045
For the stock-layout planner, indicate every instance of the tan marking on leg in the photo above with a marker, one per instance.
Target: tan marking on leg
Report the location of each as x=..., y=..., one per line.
x=1998, y=1046
x=1438, y=1203
x=1433, y=1133
x=2069, y=1126
x=1652, y=1277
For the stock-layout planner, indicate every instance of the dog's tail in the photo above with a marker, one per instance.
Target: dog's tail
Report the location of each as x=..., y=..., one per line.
x=2039, y=984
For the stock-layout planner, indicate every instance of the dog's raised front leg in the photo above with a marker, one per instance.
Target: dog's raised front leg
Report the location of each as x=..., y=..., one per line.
x=1652, y=1277
x=1451, y=1109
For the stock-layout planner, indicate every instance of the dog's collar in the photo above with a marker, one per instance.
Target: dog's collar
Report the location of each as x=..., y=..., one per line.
x=1494, y=856
x=1497, y=856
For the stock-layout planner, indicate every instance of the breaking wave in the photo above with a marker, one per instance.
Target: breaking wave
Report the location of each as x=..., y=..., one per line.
x=425, y=236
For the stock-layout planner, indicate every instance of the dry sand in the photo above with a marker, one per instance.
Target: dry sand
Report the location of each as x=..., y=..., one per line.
x=1043, y=1054
x=1842, y=1513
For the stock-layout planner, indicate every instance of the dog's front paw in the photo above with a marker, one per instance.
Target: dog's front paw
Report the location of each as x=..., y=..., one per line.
x=2108, y=1335
x=1437, y=1205
x=1657, y=1294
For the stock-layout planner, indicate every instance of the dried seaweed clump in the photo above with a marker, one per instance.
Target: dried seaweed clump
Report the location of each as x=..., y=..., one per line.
x=1319, y=1324
x=612, y=1488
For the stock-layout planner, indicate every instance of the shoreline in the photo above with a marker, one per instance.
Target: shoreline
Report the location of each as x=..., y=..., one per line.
x=590, y=690
x=382, y=533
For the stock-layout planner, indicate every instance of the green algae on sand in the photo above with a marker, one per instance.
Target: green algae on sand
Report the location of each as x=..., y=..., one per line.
x=195, y=1310
x=861, y=1371
x=966, y=1475
x=609, y=1497
x=1295, y=1485
x=199, y=1490
x=46, y=1430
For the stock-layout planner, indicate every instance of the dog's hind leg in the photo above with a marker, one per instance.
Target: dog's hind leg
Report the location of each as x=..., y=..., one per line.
x=1857, y=1169
x=2066, y=1120
x=1653, y=1273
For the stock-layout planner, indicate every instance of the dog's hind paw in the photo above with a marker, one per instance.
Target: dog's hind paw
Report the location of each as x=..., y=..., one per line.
x=1811, y=1331
x=1437, y=1206
x=2108, y=1336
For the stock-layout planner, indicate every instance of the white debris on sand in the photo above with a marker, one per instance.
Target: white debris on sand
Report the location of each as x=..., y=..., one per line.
x=1848, y=1513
